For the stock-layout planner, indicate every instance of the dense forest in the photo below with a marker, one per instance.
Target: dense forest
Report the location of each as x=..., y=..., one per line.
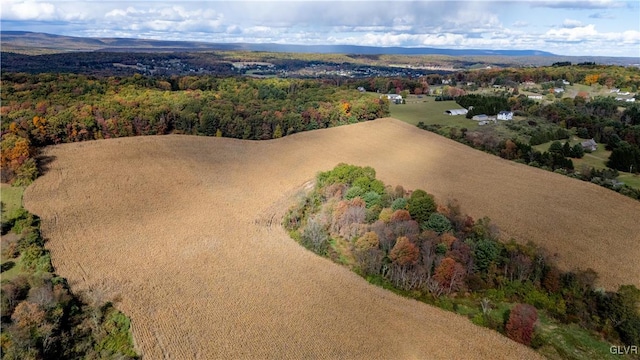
x=44, y=109
x=408, y=242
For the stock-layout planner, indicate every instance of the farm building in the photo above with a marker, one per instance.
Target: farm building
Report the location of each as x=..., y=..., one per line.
x=505, y=115
x=456, y=112
x=535, y=97
x=481, y=117
x=397, y=99
x=590, y=145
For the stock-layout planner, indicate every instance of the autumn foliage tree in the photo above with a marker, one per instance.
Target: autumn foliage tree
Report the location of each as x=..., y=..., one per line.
x=404, y=252
x=449, y=274
x=16, y=160
x=367, y=253
x=521, y=323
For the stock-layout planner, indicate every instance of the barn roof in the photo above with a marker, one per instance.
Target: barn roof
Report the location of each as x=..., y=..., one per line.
x=456, y=111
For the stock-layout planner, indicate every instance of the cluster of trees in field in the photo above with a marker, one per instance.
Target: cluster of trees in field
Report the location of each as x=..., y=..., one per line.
x=39, y=110
x=407, y=241
x=40, y=317
x=479, y=104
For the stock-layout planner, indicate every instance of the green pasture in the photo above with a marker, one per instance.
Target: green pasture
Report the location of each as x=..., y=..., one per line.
x=570, y=341
x=630, y=179
x=430, y=112
x=596, y=159
x=11, y=197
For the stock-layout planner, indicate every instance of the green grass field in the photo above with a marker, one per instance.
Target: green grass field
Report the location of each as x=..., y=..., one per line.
x=630, y=179
x=430, y=112
x=11, y=200
x=570, y=342
x=11, y=197
x=597, y=160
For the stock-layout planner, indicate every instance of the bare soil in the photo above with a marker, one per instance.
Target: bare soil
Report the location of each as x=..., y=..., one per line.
x=185, y=231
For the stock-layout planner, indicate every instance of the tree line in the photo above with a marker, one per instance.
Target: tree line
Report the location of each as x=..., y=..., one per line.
x=45, y=109
x=408, y=242
x=40, y=317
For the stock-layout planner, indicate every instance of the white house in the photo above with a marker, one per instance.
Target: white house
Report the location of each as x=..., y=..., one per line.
x=535, y=97
x=558, y=90
x=505, y=115
x=590, y=145
x=395, y=98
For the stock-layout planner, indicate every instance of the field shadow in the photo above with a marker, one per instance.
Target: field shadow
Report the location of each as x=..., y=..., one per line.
x=43, y=163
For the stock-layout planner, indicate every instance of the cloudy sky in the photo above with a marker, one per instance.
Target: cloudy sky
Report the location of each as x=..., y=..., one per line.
x=566, y=27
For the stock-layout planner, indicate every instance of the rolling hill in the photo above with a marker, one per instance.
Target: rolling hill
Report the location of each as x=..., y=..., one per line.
x=68, y=43
x=184, y=230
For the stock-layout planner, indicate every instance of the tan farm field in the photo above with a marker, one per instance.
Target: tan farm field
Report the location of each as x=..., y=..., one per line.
x=184, y=231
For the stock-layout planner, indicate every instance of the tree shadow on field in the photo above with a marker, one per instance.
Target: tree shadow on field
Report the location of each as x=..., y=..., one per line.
x=43, y=163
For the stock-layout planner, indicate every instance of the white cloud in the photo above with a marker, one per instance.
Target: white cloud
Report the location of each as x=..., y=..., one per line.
x=570, y=23
x=31, y=10
x=520, y=24
x=594, y=42
x=570, y=4
x=602, y=15
x=456, y=24
x=579, y=33
x=28, y=10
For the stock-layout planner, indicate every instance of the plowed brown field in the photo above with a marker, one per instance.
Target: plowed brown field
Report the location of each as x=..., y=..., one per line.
x=185, y=230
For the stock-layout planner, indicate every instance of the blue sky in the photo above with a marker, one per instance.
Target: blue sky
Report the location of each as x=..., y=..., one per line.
x=565, y=27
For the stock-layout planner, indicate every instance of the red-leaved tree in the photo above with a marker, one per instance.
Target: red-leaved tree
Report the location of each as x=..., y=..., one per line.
x=404, y=252
x=449, y=274
x=521, y=323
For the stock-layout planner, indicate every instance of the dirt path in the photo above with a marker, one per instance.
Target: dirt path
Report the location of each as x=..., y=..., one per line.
x=182, y=228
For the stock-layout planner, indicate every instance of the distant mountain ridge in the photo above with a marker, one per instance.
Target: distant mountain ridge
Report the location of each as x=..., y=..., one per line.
x=26, y=39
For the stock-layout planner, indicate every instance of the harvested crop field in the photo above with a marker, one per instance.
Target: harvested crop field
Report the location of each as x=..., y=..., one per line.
x=184, y=230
